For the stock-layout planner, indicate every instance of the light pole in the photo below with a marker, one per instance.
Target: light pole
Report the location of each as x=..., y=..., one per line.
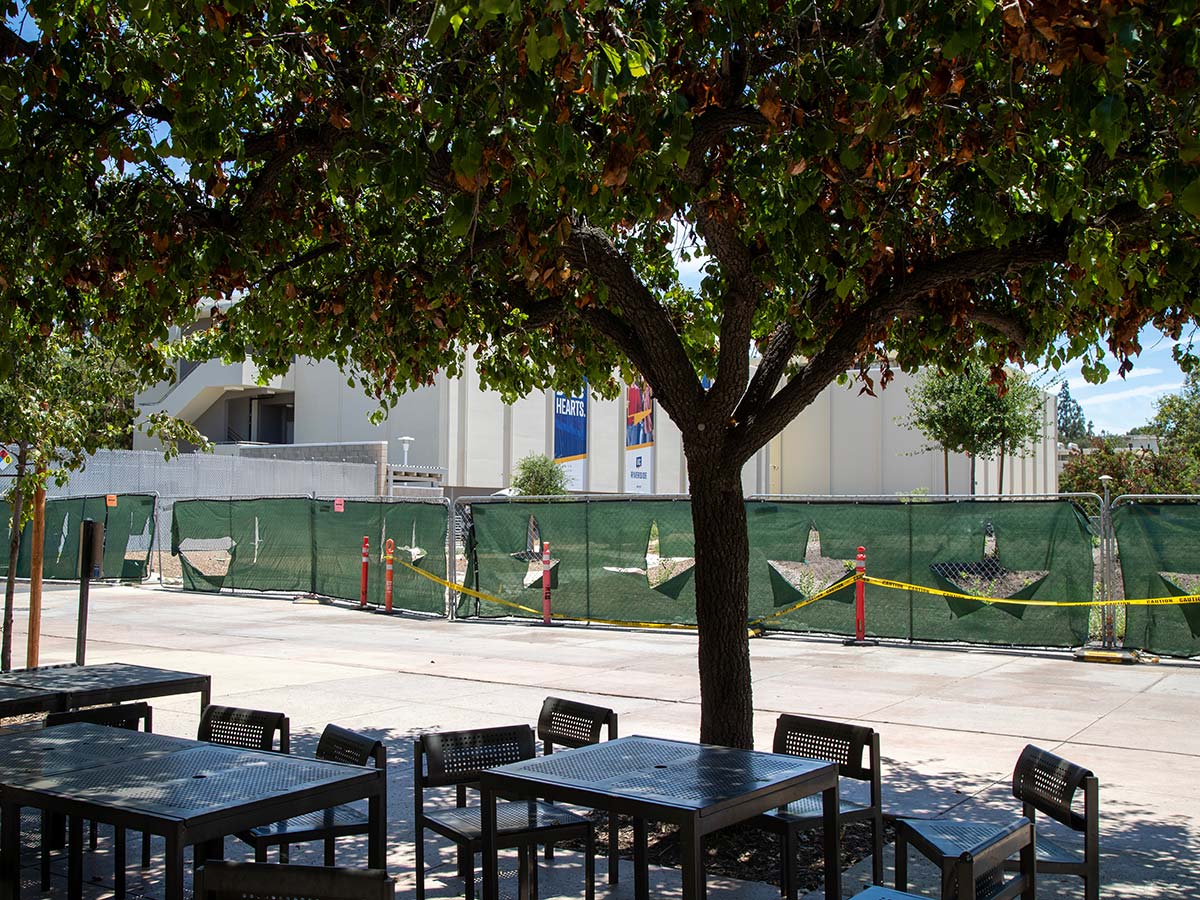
x=406, y=442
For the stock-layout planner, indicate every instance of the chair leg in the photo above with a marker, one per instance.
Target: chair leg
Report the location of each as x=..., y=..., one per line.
x=549, y=851
x=1029, y=866
x=962, y=870
x=467, y=872
x=877, y=850
x=329, y=851
x=145, y=849
x=420, y=861
x=523, y=854
x=260, y=853
x=284, y=853
x=93, y=840
x=901, y=861
x=589, y=865
x=532, y=858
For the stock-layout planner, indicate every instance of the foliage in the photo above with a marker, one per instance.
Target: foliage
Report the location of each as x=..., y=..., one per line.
x=1177, y=419
x=537, y=475
x=1072, y=426
x=1171, y=471
x=967, y=413
x=416, y=187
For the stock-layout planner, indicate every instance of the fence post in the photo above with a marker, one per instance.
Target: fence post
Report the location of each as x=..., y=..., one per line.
x=366, y=562
x=860, y=603
x=388, y=549
x=545, y=582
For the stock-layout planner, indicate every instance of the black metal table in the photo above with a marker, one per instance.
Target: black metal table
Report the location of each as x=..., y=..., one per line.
x=54, y=688
x=189, y=792
x=698, y=787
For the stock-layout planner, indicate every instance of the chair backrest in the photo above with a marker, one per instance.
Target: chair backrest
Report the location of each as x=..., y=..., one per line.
x=250, y=729
x=1048, y=784
x=457, y=757
x=130, y=716
x=219, y=880
x=567, y=723
x=342, y=745
x=835, y=742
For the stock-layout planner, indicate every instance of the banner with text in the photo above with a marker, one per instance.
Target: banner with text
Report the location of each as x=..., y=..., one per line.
x=570, y=437
x=639, y=439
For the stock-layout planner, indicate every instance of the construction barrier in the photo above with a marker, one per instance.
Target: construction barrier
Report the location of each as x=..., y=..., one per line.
x=312, y=545
x=128, y=536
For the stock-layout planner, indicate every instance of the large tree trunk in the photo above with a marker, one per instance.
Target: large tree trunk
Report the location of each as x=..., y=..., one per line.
x=722, y=599
x=14, y=554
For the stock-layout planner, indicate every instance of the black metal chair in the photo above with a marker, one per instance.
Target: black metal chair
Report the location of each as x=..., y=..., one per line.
x=455, y=759
x=1049, y=784
x=570, y=724
x=260, y=881
x=250, y=729
x=835, y=742
x=131, y=717
x=971, y=857
x=337, y=744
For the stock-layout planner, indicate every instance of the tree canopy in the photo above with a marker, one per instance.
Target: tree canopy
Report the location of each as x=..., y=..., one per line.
x=416, y=187
x=1177, y=418
x=1073, y=427
x=537, y=475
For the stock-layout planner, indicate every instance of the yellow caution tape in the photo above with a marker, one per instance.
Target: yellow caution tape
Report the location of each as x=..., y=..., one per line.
x=819, y=595
x=480, y=595
x=1152, y=601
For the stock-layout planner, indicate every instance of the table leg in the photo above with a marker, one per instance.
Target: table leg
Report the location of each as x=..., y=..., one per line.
x=641, y=870
x=10, y=847
x=205, y=695
x=833, y=858
x=490, y=858
x=377, y=823
x=173, y=866
x=691, y=861
x=74, y=858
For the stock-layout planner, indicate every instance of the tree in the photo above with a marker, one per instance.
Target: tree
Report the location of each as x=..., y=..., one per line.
x=967, y=412
x=406, y=187
x=1170, y=471
x=1177, y=418
x=63, y=399
x=1017, y=419
x=950, y=410
x=1072, y=426
x=537, y=475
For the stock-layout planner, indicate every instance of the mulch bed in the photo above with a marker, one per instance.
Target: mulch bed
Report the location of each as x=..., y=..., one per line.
x=741, y=851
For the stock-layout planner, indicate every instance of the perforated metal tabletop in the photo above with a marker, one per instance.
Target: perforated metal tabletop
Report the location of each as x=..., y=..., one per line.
x=51, y=688
x=701, y=788
x=190, y=792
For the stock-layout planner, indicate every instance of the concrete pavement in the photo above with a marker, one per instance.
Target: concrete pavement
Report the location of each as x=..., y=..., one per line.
x=951, y=720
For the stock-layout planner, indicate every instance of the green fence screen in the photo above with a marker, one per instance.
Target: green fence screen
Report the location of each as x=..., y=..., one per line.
x=311, y=545
x=128, y=536
x=630, y=561
x=1157, y=545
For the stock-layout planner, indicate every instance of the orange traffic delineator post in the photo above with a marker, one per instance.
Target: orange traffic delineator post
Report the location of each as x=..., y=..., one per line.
x=860, y=603
x=545, y=583
x=388, y=549
x=366, y=562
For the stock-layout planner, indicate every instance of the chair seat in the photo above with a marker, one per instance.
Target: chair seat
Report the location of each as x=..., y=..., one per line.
x=808, y=811
x=952, y=839
x=512, y=818
x=877, y=892
x=1050, y=852
x=335, y=821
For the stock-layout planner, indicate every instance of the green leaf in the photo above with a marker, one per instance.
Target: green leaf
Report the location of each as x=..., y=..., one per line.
x=1108, y=121
x=1189, y=200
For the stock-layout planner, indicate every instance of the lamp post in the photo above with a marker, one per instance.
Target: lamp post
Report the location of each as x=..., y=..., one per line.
x=406, y=442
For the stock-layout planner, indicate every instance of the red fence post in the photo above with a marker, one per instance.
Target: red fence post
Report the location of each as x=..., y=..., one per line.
x=860, y=596
x=389, y=547
x=545, y=583
x=366, y=561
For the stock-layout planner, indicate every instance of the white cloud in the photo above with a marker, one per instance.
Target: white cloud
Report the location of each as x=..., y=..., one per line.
x=1134, y=393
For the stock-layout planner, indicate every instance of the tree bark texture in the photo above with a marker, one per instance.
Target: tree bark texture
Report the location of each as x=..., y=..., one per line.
x=722, y=591
x=14, y=554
